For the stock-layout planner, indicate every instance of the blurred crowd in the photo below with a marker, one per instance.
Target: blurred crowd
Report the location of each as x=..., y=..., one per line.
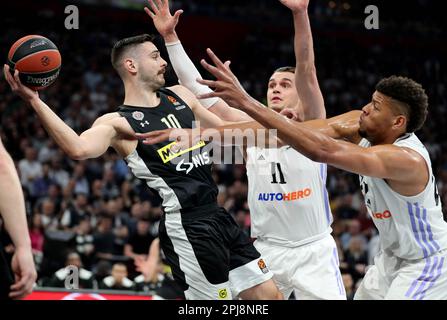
x=95, y=215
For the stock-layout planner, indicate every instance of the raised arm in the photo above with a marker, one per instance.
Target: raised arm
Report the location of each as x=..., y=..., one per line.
x=12, y=210
x=305, y=74
x=90, y=144
x=186, y=71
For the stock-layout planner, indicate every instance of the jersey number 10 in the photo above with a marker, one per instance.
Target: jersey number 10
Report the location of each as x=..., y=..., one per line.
x=170, y=121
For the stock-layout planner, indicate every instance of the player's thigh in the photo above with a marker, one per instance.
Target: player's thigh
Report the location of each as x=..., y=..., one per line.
x=198, y=257
x=247, y=268
x=278, y=262
x=318, y=276
x=422, y=280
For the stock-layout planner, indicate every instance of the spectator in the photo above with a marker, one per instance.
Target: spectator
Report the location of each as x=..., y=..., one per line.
x=47, y=209
x=353, y=230
x=348, y=282
x=76, y=212
x=84, y=242
x=153, y=280
x=42, y=184
x=345, y=209
x=118, y=279
x=59, y=279
x=356, y=257
x=81, y=185
x=30, y=169
x=139, y=242
x=36, y=232
x=104, y=239
x=57, y=173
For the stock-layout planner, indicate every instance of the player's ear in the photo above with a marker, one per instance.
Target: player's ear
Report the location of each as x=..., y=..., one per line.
x=400, y=122
x=130, y=65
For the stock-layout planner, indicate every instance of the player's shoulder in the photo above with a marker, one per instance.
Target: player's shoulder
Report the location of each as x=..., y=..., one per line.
x=181, y=91
x=399, y=154
x=107, y=118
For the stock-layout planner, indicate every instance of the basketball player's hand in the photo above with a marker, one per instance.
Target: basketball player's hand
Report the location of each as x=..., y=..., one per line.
x=185, y=138
x=17, y=87
x=148, y=266
x=296, y=5
x=226, y=85
x=290, y=113
x=164, y=22
x=24, y=272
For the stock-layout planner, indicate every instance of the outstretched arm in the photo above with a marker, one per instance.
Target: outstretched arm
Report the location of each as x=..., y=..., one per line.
x=186, y=71
x=305, y=74
x=90, y=144
x=12, y=210
x=342, y=126
x=385, y=161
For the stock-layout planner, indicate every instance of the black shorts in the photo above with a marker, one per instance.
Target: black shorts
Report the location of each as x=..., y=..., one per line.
x=6, y=275
x=210, y=256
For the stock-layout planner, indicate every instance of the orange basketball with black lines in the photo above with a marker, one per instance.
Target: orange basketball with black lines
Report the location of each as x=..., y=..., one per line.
x=37, y=59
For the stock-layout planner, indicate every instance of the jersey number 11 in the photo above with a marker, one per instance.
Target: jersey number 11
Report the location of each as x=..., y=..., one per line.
x=275, y=173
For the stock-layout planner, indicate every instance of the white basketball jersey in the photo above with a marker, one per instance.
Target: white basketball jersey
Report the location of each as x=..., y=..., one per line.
x=287, y=197
x=409, y=227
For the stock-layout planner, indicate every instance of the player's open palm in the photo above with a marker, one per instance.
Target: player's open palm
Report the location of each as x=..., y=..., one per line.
x=296, y=5
x=226, y=85
x=164, y=21
x=17, y=87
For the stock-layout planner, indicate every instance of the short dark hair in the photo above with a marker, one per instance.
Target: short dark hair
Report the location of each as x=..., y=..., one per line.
x=285, y=69
x=411, y=95
x=125, y=44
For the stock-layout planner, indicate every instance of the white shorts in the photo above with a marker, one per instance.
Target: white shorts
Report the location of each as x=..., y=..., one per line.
x=311, y=271
x=391, y=278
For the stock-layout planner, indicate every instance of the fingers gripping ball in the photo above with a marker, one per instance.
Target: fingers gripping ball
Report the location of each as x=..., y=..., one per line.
x=37, y=59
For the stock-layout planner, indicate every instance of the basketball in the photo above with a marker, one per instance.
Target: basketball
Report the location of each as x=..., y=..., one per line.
x=37, y=59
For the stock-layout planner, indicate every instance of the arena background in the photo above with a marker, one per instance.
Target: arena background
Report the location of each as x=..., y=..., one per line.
x=257, y=36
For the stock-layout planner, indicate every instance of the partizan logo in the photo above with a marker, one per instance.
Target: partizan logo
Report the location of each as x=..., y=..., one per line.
x=223, y=294
x=138, y=115
x=262, y=266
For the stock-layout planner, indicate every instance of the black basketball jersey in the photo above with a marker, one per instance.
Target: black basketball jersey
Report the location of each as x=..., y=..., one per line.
x=183, y=180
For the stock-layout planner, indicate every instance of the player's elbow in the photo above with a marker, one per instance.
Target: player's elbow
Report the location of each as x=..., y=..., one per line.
x=77, y=154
